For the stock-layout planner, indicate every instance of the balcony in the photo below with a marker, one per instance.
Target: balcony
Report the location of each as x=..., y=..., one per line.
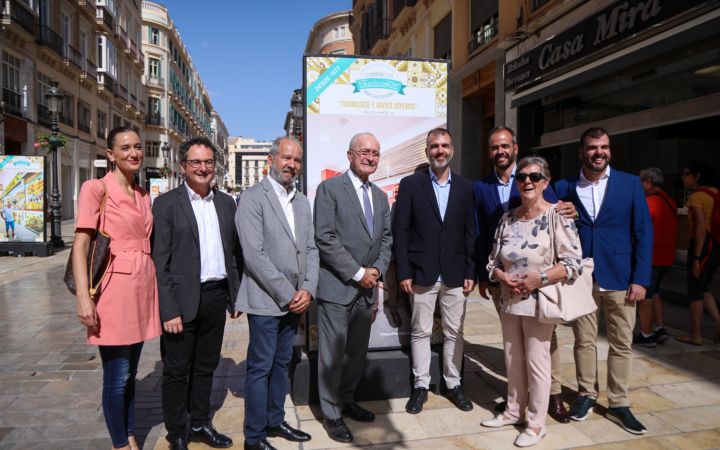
x=52, y=40
x=73, y=56
x=90, y=70
x=122, y=37
x=13, y=12
x=154, y=81
x=483, y=35
x=154, y=120
x=43, y=114
x=399, y=7
x=13, y=102
x=106, y=82
x=379, y=31
x=104, y=18
x=87, y=7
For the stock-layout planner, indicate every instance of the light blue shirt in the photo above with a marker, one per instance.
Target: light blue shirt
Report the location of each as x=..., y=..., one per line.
x=442, y=192
x=504, y=189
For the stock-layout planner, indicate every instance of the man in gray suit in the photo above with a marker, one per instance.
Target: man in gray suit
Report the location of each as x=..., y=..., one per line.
x=352, y=233
x=275, y=226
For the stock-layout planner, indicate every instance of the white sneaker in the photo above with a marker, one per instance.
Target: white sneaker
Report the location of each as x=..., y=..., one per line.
x=528, y=437
x=499, y=421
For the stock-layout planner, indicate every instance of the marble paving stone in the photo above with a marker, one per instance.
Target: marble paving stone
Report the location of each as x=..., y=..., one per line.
x=395, y=427
x=603, y=431
x=452, y=421
x=692, y=419
x=686, y=441
x=693, y=393
x=647, y=400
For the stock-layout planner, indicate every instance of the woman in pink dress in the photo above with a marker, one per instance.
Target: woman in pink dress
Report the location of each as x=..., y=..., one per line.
x=125, y=312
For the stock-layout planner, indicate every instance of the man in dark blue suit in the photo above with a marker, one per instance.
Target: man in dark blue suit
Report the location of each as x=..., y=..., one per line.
x=494, y=195
x=616, y=231
x=433, y=241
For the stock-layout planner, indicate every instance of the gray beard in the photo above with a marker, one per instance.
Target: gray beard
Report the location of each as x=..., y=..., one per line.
x=277, y=176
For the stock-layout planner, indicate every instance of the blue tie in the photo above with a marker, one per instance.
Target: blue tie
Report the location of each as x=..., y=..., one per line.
x=368, y=208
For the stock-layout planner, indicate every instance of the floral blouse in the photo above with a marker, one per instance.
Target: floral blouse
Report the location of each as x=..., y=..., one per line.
x=523, y=246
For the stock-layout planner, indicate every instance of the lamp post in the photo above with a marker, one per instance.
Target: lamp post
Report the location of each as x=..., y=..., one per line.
x=166, y=154
x=54, y=99
x=296, y=103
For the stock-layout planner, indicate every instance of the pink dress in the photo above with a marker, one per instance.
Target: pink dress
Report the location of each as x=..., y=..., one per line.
x=127, y=305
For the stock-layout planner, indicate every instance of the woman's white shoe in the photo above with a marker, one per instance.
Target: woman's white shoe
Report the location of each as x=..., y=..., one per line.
x=499, y=421
x=528, y=437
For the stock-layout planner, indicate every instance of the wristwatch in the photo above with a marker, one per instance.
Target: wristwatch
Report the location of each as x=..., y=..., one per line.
x=543, y=278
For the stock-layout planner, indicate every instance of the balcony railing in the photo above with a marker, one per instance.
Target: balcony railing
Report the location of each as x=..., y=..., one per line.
x=154, y=120
x=398, y=6
x=84, y=127
x=380, y=30
x=51, y=39
x=106, y=81
x=105, y=17
x=90, y=69
x=122, y=35
x=483, y=35
x=13, y=102
x=155, y=81
x=44, y=117
x=19, y=14
x=73, y=56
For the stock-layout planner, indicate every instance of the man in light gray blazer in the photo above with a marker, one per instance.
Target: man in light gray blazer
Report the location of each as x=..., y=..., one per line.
x=352, y=233
x=275, y=226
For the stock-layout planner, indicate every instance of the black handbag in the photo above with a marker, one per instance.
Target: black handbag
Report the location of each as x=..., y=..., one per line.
x=98, y=257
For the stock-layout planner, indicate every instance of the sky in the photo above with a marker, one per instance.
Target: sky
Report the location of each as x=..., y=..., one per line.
x=249, y=55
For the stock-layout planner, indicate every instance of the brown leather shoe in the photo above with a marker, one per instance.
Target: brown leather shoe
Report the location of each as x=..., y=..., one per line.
x=556, y=409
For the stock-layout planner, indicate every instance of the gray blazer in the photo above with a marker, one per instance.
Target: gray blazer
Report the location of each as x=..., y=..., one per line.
x=344, y=241
x=277, y=265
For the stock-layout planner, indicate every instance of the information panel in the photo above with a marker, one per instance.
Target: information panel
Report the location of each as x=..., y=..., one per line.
x=22, y=194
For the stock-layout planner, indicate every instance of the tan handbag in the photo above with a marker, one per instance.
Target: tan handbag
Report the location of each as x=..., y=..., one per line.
x=565, y=301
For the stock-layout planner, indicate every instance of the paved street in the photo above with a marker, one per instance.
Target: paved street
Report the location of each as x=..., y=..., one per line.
x=50, y=384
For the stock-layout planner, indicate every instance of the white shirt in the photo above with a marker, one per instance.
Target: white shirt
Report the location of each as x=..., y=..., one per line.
x=285, y=198
x=212, y=256
x=592, y=194
x=358, y=184
x=504, y=189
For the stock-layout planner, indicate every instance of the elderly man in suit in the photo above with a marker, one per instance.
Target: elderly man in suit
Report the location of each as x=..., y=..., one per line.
x=352, y=232
x=494, y=195
x=616, y=231
x=279, y=281
x=198, y=260
x=434, y=240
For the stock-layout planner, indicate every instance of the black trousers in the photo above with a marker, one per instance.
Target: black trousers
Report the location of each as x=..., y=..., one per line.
x=189, y=361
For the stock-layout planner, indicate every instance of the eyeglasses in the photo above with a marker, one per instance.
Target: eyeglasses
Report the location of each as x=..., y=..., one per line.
x=195, y=163
x=364, y=153
x=534, y=177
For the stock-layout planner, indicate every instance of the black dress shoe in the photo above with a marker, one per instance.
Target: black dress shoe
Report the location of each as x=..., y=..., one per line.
x=458, y=398
x=178, y=443
x=287, y=432
x=337, y=430
x=415, y=404
x=210, y=437
x=262, y=444
x=556, y=409
x=357, y=413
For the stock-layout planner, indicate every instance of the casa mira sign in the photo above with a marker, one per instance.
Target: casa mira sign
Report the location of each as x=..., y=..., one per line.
x=619, y=21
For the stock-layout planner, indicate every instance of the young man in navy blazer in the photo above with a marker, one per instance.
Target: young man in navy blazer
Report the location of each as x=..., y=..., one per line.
x=494, y=195
x=434, y=239
x=616, y=231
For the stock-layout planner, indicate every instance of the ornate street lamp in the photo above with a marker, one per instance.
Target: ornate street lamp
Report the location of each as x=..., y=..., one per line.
x=54, y=98
x=296, y=103
x=166, y=154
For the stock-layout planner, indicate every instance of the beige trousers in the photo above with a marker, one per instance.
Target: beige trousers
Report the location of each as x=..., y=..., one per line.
x=527, y=359
x=556, y=385
x=619, y=322
x=452, y=309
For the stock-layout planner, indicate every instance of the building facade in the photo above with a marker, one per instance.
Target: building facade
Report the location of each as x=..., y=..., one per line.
x=331, y=35
x=246, y=162
x=178, y=105
x=91, y=48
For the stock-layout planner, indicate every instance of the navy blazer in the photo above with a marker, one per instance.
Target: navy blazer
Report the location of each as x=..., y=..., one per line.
x=488, y=212
x=620, y=240
x=425, y=246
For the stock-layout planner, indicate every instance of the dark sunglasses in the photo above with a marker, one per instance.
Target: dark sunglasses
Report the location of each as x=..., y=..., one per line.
x=534, y=177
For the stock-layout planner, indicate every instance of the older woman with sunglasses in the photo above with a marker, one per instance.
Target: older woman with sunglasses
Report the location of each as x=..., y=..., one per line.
x=521, y=261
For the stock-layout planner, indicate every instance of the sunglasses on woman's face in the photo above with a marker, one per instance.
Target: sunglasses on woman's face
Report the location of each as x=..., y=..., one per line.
x=534, y=177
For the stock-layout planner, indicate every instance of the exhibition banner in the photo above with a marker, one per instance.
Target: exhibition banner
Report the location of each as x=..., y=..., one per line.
x=396, y=99
x=22, y=195
x=158, y=186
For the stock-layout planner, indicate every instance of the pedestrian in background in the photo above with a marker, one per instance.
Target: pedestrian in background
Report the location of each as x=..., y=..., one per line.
x=197, y=253
x=663, y=213
x=526, y=241
x=9, y=218
x=703, y=255
x=125, y=314
x=276, y=232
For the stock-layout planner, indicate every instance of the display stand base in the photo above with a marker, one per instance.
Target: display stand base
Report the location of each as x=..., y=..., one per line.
x=26, y=249
x=388, y=374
